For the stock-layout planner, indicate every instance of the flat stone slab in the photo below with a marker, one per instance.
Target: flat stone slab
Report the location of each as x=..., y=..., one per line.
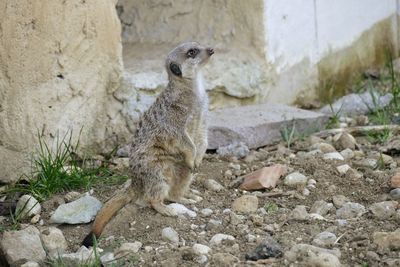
x=260, y=125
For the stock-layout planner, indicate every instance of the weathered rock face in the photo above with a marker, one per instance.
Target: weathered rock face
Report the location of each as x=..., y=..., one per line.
x=60, y=62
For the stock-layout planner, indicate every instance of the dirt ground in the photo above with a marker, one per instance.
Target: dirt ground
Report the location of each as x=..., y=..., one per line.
x=143, y=224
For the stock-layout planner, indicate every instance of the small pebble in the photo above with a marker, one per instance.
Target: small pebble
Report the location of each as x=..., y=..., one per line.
x=170, y=234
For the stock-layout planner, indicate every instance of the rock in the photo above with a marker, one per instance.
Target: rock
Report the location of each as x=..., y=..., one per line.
x=266, y=177
x=206, y=212
x=200, y=249
x=306, y=192
x=350, y=210
x=169, y=234
x=344, y=141
x=128, y=248
x=366, y=163
x=108, y=257
x=53, y=241
x=333, y=156
x=260, y=130
x=308, y=255
x=268, y=248
x=218, y=238
x=357, y=104
x=35, y=219
x=48, y=88
x=299, y=213
x=384, y=210
x=323, y=147
x=395, y=180
x=245, y=204
x=213, y=185
x=295, y=179
x=27, y=205
x=223, y=260
x=387, y=240
x=339, y=200
x=71, y=196
x=84, y=255
x=238, y=150
x=30, y=264
x=182, y=210
x=236, y=219
x=342, y=169
x=324, y=239
x=395, y=193
x=347, y=154
x=321, y=207
x=22, y=246
x=352, y=174
x=82, y=210
x=123, y=151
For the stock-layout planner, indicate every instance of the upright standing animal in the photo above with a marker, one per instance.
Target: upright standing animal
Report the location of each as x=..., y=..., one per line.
x=170, y=141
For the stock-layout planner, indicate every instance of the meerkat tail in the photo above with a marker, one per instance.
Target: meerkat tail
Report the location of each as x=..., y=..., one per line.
x=104, y=216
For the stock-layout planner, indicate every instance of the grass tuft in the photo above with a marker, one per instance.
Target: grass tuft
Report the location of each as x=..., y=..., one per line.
x=60, y=170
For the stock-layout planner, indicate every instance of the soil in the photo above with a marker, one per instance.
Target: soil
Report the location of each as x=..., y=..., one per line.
x=134, y=223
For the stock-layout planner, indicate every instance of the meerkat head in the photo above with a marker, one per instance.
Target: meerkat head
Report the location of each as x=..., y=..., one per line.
x=185, y=60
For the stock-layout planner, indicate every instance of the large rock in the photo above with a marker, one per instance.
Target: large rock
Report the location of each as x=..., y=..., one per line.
x=357, y=104
x=308, y=255
x=82, y=210
x=259, y=125
x=22, y=246
x=54, y=241
x=61, y=61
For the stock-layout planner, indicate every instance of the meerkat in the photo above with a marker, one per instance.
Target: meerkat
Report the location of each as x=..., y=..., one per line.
x=170, y=140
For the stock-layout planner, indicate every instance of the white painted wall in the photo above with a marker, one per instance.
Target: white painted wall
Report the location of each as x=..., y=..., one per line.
x=298, y=29
x=341, y=22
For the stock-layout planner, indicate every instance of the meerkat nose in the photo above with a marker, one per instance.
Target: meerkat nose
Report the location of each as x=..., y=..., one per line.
x=210, y=51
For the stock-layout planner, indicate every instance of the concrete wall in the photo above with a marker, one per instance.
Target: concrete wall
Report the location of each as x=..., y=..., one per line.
x=272, y=50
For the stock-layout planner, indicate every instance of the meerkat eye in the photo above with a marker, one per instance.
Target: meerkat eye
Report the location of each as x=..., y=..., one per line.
x=192, y=52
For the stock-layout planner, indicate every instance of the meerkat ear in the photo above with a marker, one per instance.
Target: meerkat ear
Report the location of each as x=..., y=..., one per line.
x=175, y=69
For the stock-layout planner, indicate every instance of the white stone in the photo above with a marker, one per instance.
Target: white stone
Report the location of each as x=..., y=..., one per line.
x=107, y=257
x=182, y=210
x=350, y=210
x=342, y=169
x=30, y=264
x=170, y=234
x=23, y=245
x=200, y=249
x=83, y=255
x=347, y=153
x=384, y=210
x=213, y=185
x=295, y=179
x=308, y=255
x=206, y=212
x=333, y=156
x=218, y=238
x=324, y=239
x=82, y=210
x=53, y=241
x=299, y=213
x=27, y=205
x=127, y=248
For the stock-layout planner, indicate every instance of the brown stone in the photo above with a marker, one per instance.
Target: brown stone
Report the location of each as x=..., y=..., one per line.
x=266, y=177
x=395, y=180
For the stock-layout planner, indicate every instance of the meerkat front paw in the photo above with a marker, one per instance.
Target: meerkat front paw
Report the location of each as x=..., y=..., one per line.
x=164, y=209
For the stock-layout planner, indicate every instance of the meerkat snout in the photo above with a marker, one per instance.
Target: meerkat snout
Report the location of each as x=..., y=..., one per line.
x=210, y=51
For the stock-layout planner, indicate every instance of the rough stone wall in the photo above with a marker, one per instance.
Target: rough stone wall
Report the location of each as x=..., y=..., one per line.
x=60, y=62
